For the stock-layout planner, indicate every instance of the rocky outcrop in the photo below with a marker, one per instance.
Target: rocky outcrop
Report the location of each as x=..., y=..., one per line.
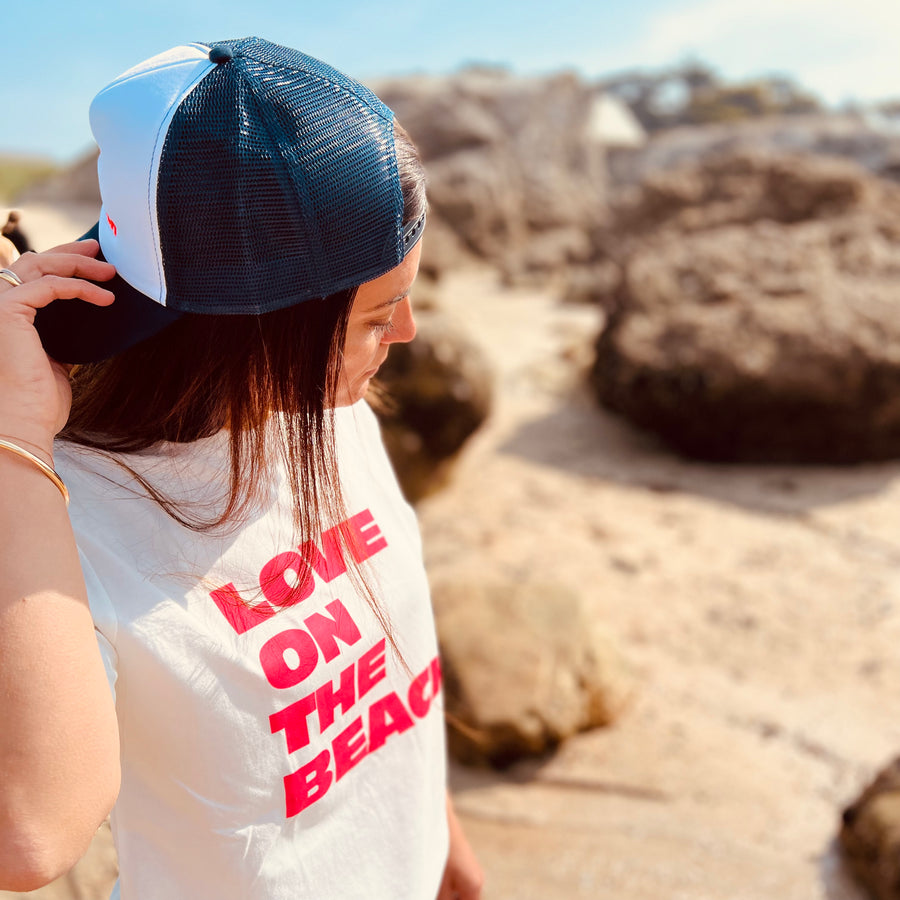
x=510, y=160
x=437, y=392
x=742, y=189
x=860, y=138
x=525, y=666
x=755, y=314
x=870, y=835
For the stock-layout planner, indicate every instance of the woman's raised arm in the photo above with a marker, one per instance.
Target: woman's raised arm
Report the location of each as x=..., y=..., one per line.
x=59, y=755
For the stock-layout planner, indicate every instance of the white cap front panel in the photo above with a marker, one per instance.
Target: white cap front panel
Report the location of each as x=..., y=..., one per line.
x=129, y=119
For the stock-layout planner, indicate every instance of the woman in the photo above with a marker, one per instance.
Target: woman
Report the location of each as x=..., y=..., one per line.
x=236, y=544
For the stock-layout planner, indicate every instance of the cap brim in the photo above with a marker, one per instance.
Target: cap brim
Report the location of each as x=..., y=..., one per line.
x=73, y=331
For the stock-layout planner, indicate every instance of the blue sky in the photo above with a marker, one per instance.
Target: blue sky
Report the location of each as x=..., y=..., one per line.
x=58, y=55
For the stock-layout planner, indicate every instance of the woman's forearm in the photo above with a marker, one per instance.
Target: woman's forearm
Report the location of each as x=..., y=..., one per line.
x=58, y=739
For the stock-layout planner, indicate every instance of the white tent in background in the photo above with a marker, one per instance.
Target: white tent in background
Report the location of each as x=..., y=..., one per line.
x=613, y=124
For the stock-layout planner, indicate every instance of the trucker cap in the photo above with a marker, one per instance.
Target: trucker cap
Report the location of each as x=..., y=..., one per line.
x=238, y=177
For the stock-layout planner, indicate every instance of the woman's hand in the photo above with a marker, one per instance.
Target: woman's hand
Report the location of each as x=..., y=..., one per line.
x=35, y=396
x=463, y=877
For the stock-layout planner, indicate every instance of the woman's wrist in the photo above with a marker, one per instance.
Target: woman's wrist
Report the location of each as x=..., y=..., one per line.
x=15, y=450
x=29, y=437
x=38, y=450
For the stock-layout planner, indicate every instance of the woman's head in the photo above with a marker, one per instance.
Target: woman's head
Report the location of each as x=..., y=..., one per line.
x=206, y=371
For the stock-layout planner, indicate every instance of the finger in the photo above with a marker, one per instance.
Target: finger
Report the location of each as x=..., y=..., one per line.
x=35, y=265
x=86, y=247
x=47, y=288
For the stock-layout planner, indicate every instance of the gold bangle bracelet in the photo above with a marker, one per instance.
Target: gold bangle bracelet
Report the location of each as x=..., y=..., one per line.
x=49, y=471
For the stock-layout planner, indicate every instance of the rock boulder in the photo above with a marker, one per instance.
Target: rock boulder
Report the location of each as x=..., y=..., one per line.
x=525, y=667
x=870, y=835
x=756, y=313
x=437, y=393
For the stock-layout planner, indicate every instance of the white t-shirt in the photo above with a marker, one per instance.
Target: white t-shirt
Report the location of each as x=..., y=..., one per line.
x=274, y=746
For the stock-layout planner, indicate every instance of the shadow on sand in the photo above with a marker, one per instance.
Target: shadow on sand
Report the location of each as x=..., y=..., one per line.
x=583, y=439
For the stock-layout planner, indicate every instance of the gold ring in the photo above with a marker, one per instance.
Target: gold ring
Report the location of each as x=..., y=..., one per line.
x=9, y=276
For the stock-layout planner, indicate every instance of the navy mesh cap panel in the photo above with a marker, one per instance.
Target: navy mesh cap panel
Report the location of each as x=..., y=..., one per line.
x=277, y=183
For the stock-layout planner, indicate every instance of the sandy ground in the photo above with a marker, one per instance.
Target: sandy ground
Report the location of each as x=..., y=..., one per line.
x=759, y=608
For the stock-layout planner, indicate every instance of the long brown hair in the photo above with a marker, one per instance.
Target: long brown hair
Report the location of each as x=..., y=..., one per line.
x=203, y=374
x=206, y=374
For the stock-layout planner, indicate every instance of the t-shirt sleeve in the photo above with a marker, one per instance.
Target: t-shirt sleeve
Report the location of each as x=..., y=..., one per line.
x=104, y=616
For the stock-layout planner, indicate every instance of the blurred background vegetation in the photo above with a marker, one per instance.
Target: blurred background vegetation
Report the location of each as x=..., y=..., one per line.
x=20, y=172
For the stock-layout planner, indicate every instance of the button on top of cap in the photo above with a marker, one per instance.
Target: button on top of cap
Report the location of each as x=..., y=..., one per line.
x=220, y=54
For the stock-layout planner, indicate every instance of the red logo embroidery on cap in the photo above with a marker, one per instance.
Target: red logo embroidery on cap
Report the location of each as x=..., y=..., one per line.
x=112, y=226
